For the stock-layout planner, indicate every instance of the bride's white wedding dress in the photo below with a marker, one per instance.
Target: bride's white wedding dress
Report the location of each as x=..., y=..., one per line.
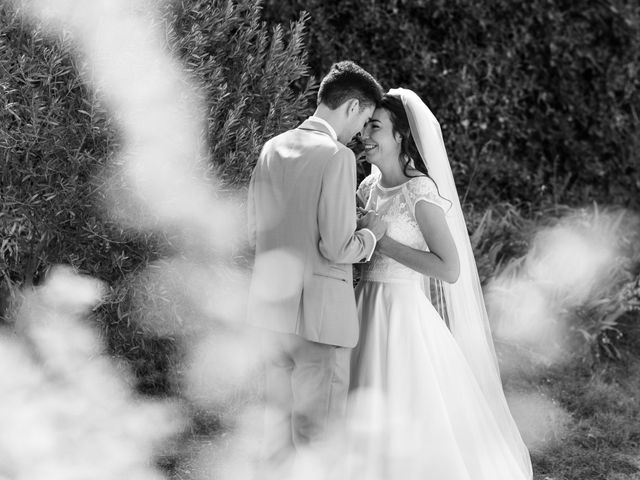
x=431, y=416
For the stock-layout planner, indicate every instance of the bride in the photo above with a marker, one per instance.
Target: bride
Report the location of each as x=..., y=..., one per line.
x=425, y=347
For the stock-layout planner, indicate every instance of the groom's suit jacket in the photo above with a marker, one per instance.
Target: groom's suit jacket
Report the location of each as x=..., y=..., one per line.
x=302, y=223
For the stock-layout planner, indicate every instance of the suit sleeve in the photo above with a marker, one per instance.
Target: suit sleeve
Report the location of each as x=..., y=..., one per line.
x=251, y=213
x=339, y=240
x=252, y=225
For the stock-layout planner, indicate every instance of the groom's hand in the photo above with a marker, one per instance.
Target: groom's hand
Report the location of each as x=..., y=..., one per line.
x=373, y=222
x=364, y=217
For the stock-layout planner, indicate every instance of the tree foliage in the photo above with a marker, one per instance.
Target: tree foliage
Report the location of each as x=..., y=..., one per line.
x=246, y=71
x=538, y=100
x=57, y=139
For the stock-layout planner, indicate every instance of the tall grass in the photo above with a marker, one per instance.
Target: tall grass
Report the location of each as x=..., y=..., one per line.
x=597, y=320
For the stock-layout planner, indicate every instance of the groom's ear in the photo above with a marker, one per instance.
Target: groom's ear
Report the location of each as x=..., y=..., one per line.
x=353, y=106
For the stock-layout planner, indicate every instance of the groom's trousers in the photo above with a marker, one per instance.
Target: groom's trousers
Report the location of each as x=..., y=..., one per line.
x=306, y=387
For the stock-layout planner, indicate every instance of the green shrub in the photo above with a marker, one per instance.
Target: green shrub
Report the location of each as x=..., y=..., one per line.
x=609, y=318
x=538, y=100
x=57, y=139
x=246, y=72
x=501, y=233
x=54, y=134
x=601, y=314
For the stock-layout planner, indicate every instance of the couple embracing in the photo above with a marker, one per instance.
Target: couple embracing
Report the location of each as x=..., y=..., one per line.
x=415, y=335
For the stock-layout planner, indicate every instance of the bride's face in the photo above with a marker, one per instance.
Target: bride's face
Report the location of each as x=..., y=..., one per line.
x=380, y=143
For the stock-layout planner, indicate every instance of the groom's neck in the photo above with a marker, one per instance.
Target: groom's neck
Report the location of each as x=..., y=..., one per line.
x=332, y=117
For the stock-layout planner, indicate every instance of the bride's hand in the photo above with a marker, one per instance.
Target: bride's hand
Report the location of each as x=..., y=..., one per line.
x=373, y=222
x=364, y=217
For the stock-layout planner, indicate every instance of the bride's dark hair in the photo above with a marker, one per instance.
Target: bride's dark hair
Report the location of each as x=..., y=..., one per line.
x=400, y=123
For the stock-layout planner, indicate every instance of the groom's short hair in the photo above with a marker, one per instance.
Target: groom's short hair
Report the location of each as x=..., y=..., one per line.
x=347, y=80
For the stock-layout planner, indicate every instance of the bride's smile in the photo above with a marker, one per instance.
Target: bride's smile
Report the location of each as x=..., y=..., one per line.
x=379, y=139
x=369, y=146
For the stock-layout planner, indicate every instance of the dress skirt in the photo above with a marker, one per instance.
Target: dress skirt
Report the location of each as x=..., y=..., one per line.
x=416, y=406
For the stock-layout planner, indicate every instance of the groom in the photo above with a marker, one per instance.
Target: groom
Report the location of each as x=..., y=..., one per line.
x=302, y=223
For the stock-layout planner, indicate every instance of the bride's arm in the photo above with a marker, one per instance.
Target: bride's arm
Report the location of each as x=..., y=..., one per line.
x=442, y=260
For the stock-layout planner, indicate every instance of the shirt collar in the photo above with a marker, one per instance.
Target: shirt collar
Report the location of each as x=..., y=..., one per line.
x=332, y=132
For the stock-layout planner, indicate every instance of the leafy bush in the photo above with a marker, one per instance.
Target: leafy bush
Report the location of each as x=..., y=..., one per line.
x=501, y=233
x=57, y=139
x=538, y=100
x=55, y=133
x=609, y=314
x=246, y=72
x=574, y=271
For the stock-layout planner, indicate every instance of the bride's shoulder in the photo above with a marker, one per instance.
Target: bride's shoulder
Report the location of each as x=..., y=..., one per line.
x=370, y=180
x=425, y=188
x=421, y=184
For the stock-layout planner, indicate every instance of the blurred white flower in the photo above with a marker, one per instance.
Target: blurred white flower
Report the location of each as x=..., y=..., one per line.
x=66, y=409
x=530, y=300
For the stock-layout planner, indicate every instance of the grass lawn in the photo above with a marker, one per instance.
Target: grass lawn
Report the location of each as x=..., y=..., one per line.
x=599, y=435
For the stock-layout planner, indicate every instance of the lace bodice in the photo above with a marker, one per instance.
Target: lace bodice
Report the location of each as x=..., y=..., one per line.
x=396, y=206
